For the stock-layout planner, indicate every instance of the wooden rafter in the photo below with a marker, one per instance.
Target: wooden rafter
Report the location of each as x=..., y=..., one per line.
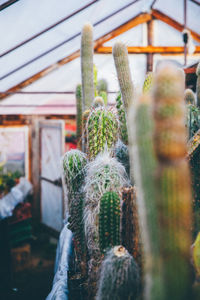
x=139, y=19
x=166, y=19
x=149, y=49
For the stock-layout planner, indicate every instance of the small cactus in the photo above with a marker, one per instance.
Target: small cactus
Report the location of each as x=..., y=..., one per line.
x=109, y=220
x=79, y=115
x=198, y=85
x=87, y=66
x=148, y=83
x=122, y=119
x=189, y=97
x=119, y=277
x=102, y=131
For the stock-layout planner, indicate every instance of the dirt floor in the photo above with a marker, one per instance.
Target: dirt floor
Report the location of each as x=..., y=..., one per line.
x=35, y=280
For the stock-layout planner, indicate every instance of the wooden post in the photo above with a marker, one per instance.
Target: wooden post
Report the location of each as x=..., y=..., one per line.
x=150, y=37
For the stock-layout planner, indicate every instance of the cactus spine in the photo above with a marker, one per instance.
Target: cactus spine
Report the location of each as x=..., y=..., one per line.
x=173, y=182
x=102, y=130
x=109, y=220
x=87, y=65
x=119, y=277
x=144, y=164
x=189, y=97
x=122, y=119
x=198, y=85
x=78, y=115
x=123, y=73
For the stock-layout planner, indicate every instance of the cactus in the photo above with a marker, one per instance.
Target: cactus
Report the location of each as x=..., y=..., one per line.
x=189, y=97
x=198, y=85
x=130, y=225
x=84, y=122
x=102, y=131
x=95, y=71
x=196, y=255
x=102, y=88
x=173, y=183
x=73, y=164
x=122, y=119
x=148, y=82
x=122, y=155
x=119, y=277
x=124, y=75
x=78, y=115
x=109, y=220
x=87, y=66
x=98, y=101
x=143, y=161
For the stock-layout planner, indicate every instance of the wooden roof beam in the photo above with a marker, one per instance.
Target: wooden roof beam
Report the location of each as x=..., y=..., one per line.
x=166, y=19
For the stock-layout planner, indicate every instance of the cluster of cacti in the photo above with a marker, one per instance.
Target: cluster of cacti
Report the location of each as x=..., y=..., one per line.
x=148, y=83
x=87, y=66
x=122, y=155
x=102, y=131
x=109, y=220
x=119, y=277
x=79, y=115
x=173, y=183
x=122, y=119
x=198, y=85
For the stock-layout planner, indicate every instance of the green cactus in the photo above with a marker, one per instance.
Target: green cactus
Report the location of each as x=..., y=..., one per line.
x=98, y=101
x=109, y=220
x=122, y=119
x=123, y=73
x=148, y=82
x=102, y=131
x=122, y=155
x=87, y=65
x=119, y=277
x=102, y=88
x=189, y=97
x=143, y=161
x=173, y=183
x=95, y=80
x=198, y=85
x=79, y=115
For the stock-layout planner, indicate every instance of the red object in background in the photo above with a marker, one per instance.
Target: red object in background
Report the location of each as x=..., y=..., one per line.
x=70, y=135
x=21, y=212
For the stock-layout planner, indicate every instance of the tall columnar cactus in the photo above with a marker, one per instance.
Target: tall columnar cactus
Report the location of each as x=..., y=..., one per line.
x=123, y=73
x=109, y=220
x=87, y=65
x=119, y=277
x=79, y=115
x=130, y=223
x=122, y=119
x=173, y=182
x=198, y=85
x=102, y=88
x=148, y=82
x=143, y=161
x=189, y=97
x=102, y=130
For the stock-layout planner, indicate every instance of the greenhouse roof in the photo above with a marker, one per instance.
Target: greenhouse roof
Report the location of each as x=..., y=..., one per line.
x=38, y=37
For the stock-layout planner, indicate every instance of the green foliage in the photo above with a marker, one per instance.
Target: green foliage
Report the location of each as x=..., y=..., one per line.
x=8, y=180
x=119, y=277
x=109, y=220
x=122, y=119
x=102, y=131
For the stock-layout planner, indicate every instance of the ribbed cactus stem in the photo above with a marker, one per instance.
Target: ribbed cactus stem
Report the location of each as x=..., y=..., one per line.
x=143, y=162
x=198, y=85
x=109, y=221
x=173, y=182
x=122, y=119
x=102, y=88
x=79, y=115
x=119, y=279
x=120, y=55
x=85, y=116
x=87, y=65
x=189, y=97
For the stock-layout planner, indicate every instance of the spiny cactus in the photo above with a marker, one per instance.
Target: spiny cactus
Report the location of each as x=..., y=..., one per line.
x=122, y=119
x=109, y=220
x=130, y=225
x=85, y=116
x=189, y=96
x=98, y=101
x=87, y=65
x=102, y=130
x=198, y=85
x=196, y=255
x=102, y=88
x=173, y=183
x=119, y=277
x=143, y=162
x=78, y=115
x=148, y=82
x=122, y=155
x=120, y=55
x=73, y=164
